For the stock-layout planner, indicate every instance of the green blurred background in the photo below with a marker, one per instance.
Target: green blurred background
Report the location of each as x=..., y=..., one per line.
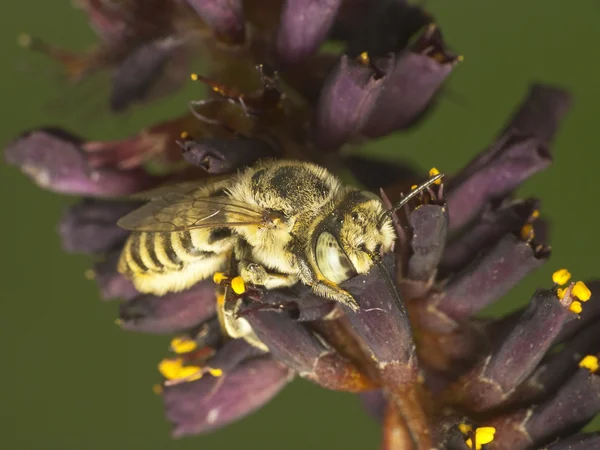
x=73, y=381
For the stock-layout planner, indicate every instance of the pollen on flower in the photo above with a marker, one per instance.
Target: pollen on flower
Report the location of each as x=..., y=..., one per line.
x=581, y=291
x=413, y=187
x=170, y=368
x=194, y=76
x=535, y=214
x=576, y=307
x=215, y=372
x=184, y=135
x=483, y=435
x=527, y=233
x=465, y=428
x=589, y=362
x=363, y=58
x=433, y=172
x=238, y=285
x=561, y=277
x=183, y=345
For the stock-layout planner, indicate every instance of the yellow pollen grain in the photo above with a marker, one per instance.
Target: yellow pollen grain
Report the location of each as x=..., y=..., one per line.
x=183, y=345
x=170, y=368
x=220, y=299
x=527, y=233
x=561, y=277
x=238, y=285
x=219, y=277
x=194, y=77
x=157, y=389
x=184, y=135
x=589, y=362
x=483, y=435
x=576, y=307
x=432, y=173
x=215, y=372
x=465, y=428
x=560, y=293
x=535, y=214
x=363, y=58
x=118, y=322
x=413, y=187
x=581, y=291
x=190, y=373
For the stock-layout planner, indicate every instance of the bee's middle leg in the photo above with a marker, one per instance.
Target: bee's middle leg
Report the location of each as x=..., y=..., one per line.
x=256, y=274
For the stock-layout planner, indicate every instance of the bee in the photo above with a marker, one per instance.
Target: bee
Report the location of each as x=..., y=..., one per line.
x=281, y=221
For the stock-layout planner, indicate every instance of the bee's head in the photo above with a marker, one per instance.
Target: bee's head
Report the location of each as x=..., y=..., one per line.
x=346, y=241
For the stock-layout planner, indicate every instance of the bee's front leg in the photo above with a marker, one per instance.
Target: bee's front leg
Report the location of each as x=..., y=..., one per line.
x=321, y=286
x=257, y=275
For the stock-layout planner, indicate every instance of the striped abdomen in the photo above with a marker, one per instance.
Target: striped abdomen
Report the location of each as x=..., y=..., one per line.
x=161, y=262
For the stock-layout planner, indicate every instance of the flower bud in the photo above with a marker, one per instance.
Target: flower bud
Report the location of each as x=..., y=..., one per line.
x=111, y=283
x=489, y=383
x=301, y=349
x=218, y=156
x=346, y=101
x=55, y=161
x=225, y=17
x=494, y=222
x=90, y=226
x=484, y=281
x=170, y=313
x=144, y=70
x=210, y=402
x=303, y=27
x=409, y=84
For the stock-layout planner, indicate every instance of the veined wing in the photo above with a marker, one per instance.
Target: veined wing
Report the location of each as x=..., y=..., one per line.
x=179, y=212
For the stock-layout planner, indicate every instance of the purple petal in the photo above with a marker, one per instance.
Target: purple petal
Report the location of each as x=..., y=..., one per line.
x=303, y=26
x=171, y=313
x=90, y=226
x=55, y=161
x=210, y=403
x=111, y=283
x=225, y=17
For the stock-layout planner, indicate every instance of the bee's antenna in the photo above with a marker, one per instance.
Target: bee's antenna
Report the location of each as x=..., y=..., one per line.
x=412, y=194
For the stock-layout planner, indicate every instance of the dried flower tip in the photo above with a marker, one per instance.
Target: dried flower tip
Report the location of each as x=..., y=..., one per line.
x=589, y=362
x=561, y=277
x=581, y=291
x=432, y=173
x=483, y=435
x=183, y=344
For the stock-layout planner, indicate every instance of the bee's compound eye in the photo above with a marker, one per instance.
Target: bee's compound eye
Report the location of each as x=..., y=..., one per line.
x=331, y=259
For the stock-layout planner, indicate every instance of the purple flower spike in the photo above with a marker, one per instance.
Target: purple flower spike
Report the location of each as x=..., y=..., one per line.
x=347, y=99
x=225, y=17
x=489, y=383
x=382, y=323
x=55, y=161
x=410, y=84
x=90, y=226
x=135, y=78
x=170, y=313
x=582, y=441
x=210, y=402
x=556, y=368
x=502, y=170
x=541, y=112
x=219, y=156
x=487, y=279
x=303, y=26
x=571, y=408
x=495, y=222
x=430, y=225
x=301, y=349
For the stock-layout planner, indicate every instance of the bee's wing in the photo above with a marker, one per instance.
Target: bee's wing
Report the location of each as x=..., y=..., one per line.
x=179, y=212
x=182, y=187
